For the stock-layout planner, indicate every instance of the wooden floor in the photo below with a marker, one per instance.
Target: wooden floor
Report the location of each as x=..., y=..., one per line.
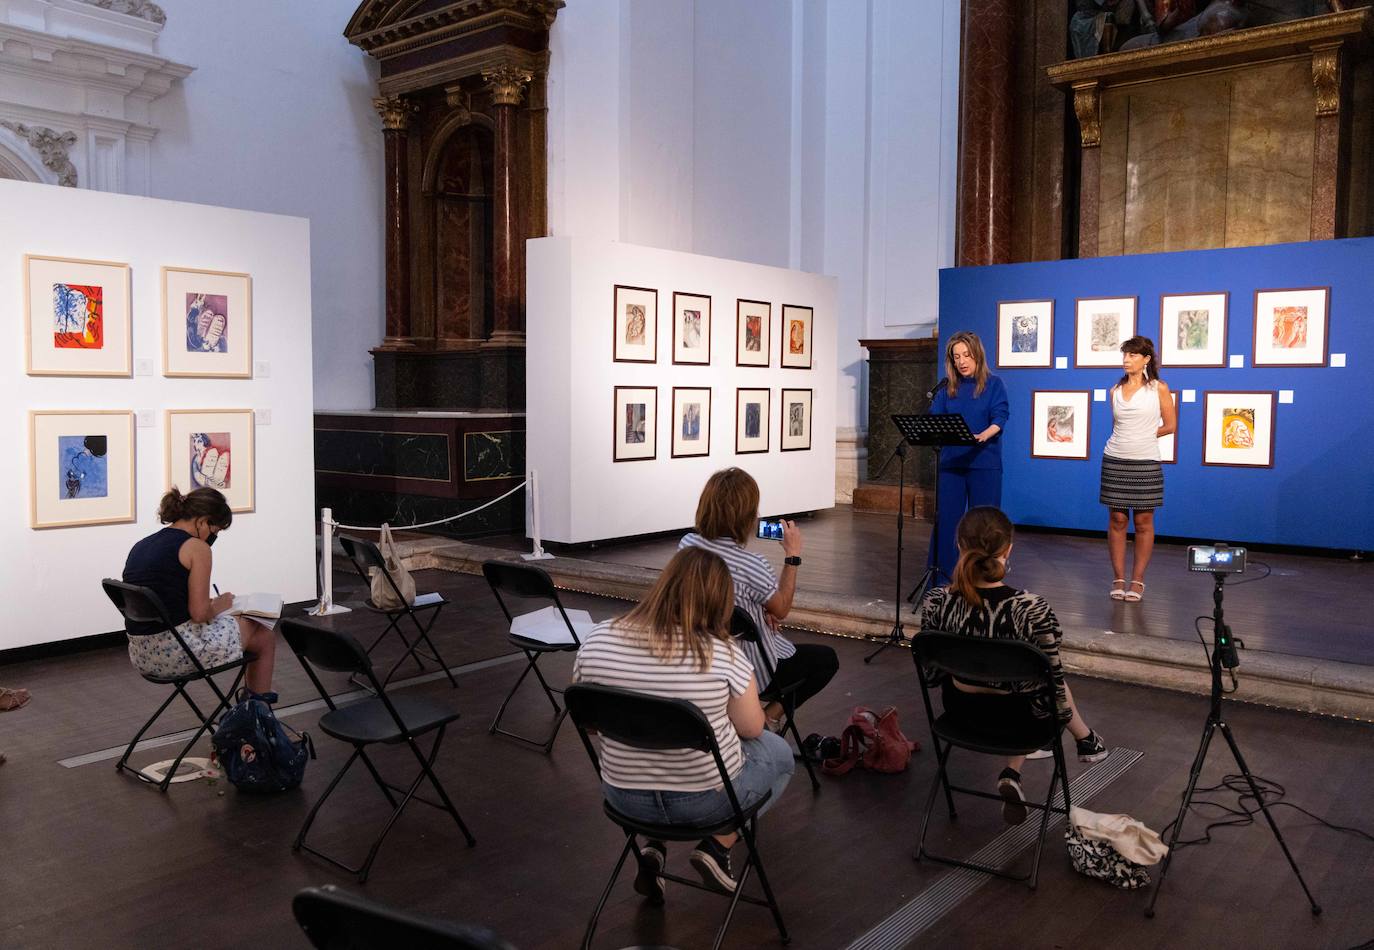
x=1321, y=607
x=89, y=858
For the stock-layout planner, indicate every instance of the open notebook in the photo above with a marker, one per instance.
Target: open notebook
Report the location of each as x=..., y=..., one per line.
x=261, y=608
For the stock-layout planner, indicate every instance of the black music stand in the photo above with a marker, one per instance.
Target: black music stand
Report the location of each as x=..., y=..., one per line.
x=934, y=429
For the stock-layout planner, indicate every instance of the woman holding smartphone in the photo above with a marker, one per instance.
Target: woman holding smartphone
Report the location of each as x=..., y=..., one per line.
x=726, y=515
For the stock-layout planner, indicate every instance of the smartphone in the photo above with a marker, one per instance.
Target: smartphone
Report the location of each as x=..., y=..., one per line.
x=1216, y=559
x=770, y=529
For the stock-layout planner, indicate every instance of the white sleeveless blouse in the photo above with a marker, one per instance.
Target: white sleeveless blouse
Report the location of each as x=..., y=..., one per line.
x=1135, y=424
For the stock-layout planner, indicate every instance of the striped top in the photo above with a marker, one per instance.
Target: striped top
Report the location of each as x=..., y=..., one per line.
x=616, y=656
x=754, y=583
x=1006, y=614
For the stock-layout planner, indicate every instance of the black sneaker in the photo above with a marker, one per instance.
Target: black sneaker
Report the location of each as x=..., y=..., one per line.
x=653, y=855
x=1091, y=748
x=712, y=861
x=1013, y=802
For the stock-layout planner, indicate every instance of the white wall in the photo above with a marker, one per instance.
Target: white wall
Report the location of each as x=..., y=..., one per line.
x=278, y=117
x=583, y=494
x=50, y=579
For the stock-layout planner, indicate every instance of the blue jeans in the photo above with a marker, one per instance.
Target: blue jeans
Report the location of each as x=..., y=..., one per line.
x=768, y=766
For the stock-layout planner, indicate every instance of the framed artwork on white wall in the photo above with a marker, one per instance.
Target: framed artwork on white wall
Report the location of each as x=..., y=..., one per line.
x=634, y=325
x=1238, y=429
x=1192, y=329
x=212, y=448
x=1060, y=423
x=81, y=467
x=635, y=424
x=751, y=421
x=796, y=336
x=691, y=421
x=752, y=325
x=692, y=329
x=207, y=323
x=76, y=317
x=1025, y=333
x=796, y=420
x=1291, y=326
x=1103, y=324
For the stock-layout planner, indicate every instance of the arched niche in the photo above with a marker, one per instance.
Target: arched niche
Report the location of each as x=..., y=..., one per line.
x=457, y=248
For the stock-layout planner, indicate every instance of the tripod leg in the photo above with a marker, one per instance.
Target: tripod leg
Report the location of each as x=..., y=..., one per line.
x=1193, y=776
x=1254, y=789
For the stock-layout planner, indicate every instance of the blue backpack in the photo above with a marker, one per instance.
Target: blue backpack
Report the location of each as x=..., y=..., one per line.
x=257, y=752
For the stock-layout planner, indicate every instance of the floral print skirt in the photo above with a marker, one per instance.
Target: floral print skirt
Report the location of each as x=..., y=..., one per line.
x=214, y=644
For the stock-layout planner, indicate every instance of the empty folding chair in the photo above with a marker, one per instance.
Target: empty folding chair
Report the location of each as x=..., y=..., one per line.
x=742, y=627
x=377, y=719
x=336, y=920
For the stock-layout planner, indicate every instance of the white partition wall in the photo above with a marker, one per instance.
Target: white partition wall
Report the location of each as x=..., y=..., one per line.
x=586, y=496
x=50, y=578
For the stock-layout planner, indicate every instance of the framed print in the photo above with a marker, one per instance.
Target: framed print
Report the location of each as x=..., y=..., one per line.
x=1025, y=333
x=1238, y=429
x=76, y=317
x=207, y=323
x=796, y=420
x=1290, y=326
x=81, y=467
x=691, y=421
x=1168, y=445
x=635, y=325
x=796, y=337
x=752, y=322
x=1192, y=329
x=1060, y=423
x=635, y=426
x=751, y=421
x=692, y=329
x=212, y=448
x=1103, y=324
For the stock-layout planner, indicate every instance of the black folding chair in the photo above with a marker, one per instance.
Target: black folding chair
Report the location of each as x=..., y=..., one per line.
x=377, y=719
x=743, y=628
x=652, y=722
x=141, y=605
x=336, y=920
x=366, y=555
x=529, y=583
x=978, y=660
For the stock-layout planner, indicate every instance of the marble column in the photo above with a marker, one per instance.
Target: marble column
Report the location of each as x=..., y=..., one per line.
x=507, y=87
x=1087, y=105
x=985, y=132
x=396, y=112
x=1331, y=143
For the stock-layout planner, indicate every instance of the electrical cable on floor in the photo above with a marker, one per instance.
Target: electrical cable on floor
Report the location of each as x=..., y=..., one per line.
x=1240, y=816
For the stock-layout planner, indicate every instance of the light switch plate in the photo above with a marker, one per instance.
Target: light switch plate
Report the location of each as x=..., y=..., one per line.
x=1190, y=395
x=262, y=369
x=147, y=418
x=1099, y=395
x=1338, y=360
x=143, y=367
x=1061, y=362
x=263, y=416
x=1237, y=361
x=1285, y=397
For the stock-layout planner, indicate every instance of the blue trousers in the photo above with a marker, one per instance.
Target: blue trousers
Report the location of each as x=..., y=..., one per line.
x=960, y=490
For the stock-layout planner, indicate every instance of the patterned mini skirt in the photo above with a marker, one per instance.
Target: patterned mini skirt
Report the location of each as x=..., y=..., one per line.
x=1132, y=483
x=214, y=644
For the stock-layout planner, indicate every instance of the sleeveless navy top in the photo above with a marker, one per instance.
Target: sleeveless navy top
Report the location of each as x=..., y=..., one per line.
x=153, y=564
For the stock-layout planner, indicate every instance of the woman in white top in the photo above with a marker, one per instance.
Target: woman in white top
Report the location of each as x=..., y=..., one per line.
x=676, y=644
x=1132, y=480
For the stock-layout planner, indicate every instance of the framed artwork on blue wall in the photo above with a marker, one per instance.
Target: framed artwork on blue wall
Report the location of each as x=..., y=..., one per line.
x=1025, y=333
x=1192, y=329
x=1103, y=324
x=1060, y=423
x=1290, y=326
x=1239, y=429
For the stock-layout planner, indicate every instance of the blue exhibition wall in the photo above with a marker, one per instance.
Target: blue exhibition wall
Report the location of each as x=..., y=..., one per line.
x=1320, y=490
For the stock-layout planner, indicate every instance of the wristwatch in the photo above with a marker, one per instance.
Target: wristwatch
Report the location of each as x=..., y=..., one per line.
x=794, y=561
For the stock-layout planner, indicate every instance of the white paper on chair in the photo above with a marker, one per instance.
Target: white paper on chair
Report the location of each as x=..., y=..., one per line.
x=424, y=600
x=547, y=625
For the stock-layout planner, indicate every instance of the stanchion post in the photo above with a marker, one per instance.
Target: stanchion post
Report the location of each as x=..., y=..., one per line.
x=326, y=606
x=531, y=490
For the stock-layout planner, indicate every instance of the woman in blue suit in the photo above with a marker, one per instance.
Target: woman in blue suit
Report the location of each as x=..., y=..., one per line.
x=969, y=476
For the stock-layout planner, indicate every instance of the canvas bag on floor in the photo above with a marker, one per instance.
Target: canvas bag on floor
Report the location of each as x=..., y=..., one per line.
x=1112, y=848
x=383, y=595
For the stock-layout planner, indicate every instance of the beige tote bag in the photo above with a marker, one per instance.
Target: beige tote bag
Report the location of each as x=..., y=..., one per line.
x=383, y=594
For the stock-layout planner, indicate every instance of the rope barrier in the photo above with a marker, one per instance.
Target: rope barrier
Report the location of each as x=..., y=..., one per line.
x=430, y=524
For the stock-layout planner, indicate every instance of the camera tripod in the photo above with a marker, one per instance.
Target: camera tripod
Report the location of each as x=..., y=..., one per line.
x=1223, y=653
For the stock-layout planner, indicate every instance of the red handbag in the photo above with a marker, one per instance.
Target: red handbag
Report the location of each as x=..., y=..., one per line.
x=873, y=741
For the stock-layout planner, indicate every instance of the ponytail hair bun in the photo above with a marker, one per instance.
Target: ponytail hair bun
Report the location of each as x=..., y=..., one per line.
x=198, y=503
x=984, y=534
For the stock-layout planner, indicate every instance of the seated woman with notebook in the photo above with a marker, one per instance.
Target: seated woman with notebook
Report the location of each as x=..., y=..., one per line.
x=175, y=564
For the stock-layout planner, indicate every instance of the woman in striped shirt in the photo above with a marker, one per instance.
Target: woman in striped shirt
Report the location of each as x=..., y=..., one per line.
x=726, y=514
x=676, y=644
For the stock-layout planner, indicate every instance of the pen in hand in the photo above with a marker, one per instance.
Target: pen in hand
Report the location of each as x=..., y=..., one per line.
x=216, y=587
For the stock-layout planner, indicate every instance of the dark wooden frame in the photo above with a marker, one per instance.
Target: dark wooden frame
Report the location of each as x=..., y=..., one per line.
x=1087, y=424
x=615, y=319
x=706, y=423
x=1326, y=326
x=810, y=336
x=1225, y=329
x=705, y=330
x=1273, y=423
x=810, y=410
x=1049, y=340
x=616, y=423
x=767, y=330
x=1078, y=328
x=763, y=423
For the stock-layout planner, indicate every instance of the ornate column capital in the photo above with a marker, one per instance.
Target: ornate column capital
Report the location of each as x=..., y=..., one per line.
x=506, y=84
x=1087, y=105
x=53, y=149
x=460, y=101
x=1326, y=79
x=395, y=112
